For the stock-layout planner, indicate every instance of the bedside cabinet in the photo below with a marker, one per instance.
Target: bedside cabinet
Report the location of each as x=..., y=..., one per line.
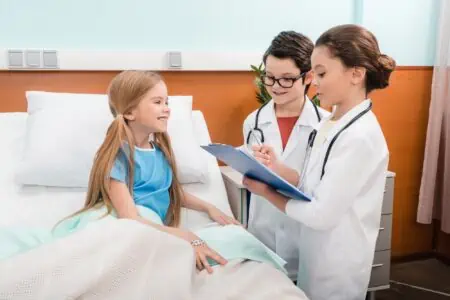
x=381, y=268
x=239, y=197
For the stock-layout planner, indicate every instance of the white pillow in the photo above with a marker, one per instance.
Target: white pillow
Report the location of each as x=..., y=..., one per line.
x=65, y=130
x=189, y=157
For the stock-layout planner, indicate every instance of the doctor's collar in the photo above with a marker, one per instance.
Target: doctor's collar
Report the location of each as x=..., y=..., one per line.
x=267, y=114
x=352, y=113
x=307, y=117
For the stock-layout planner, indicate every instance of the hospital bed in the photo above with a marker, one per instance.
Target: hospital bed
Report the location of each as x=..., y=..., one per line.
x=41, y=206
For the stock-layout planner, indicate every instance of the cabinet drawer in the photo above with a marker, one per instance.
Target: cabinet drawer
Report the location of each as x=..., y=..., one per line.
x=380, y=269
x=384, y=236
x=388, y=196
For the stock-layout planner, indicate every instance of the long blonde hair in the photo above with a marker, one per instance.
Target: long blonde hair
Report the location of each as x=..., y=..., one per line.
x=125, y=92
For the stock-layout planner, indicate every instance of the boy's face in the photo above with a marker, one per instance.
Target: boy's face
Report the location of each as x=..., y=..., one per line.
x=286, y=71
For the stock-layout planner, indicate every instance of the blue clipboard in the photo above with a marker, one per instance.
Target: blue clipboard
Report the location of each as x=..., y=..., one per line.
x=248, y=166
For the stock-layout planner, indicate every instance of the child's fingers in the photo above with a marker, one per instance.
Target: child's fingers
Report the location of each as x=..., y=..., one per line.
x=256, y=148
x=258, y=154
x=198, y=262
x=205, y=263
x=215, y=256
x=235, y=222
x=246, y=181
x=263, y=158
x=223, y=220
x=266, y=149
x=231, y=220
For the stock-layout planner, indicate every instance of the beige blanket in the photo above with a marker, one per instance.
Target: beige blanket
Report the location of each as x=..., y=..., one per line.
x=122, y=259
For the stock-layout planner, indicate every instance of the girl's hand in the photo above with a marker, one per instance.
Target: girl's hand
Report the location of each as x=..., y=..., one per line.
x=218, y=216
x=202, y=251
x=256, y=187
x=266, y=155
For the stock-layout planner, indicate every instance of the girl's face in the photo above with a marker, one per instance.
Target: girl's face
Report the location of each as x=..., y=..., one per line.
x=333, y=81
x=152, y=112
x=287, y=72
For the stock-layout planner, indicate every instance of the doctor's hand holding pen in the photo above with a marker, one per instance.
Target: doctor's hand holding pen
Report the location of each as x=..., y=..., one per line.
x=266, y=155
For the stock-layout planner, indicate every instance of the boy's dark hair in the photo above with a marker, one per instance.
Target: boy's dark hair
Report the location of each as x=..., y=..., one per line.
x=293, y=45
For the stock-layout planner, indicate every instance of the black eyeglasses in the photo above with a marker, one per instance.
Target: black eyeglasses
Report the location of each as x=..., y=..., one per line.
x=285, y=82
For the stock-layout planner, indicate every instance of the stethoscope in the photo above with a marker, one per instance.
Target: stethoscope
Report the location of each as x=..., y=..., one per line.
x=312, y=137
x=258, y=130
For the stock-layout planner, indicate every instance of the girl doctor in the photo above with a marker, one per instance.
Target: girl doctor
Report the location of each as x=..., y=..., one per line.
x=345, y=170
x=285, y=123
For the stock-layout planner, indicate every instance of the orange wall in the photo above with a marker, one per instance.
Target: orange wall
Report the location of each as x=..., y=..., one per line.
x=227, y=97
x=402, y=110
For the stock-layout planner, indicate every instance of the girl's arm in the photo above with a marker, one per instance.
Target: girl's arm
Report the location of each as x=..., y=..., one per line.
x=266, y=155
x=256, y=187
x=126, y=208
x=194, y=203
x=290, y=175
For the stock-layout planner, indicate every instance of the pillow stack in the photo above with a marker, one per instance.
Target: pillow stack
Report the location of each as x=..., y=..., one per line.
x=65, y=130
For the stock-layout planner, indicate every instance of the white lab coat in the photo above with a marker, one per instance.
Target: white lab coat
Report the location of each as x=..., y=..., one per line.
x=267, y=223
x=341, y=223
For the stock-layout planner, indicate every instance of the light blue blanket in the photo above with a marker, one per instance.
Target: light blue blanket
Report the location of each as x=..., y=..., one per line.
x=231, y=241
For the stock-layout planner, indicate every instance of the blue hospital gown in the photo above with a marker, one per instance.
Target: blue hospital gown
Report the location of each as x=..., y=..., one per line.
x=152, y=178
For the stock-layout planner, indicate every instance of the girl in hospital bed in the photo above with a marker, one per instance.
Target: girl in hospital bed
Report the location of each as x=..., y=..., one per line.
x=134, y=176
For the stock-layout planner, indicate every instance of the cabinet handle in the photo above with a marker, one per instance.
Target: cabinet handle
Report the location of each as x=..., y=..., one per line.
x=381, y=228
x=377, y=265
